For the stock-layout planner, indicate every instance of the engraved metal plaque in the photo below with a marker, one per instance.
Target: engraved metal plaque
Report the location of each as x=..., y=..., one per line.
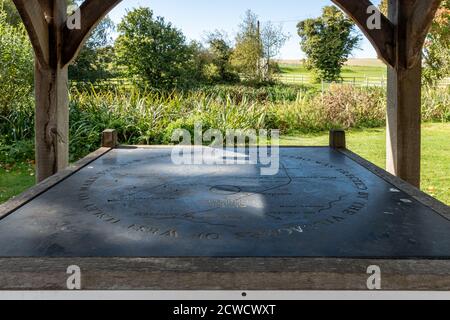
x=136, y=202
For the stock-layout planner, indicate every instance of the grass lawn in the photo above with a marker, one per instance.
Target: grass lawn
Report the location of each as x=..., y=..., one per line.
x=15, y=179
x=369, y=143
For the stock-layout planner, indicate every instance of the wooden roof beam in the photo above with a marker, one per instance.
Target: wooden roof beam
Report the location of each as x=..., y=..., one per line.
x=37, y=27
x=382, y=39
x=92, y=12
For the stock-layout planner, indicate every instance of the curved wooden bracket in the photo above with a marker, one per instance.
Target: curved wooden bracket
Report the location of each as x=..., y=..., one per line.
x=421, y=20
x=37, y=27
x=47, y=8
x=382, y=39
x=92, y=12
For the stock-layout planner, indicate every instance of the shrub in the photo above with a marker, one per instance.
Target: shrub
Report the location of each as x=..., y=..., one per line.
x=148, y=116
x=349, y=107
x=436, y=104
x=16, y=66
x=19, y=151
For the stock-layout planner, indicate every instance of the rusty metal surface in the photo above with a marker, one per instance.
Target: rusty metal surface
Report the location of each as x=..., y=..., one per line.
x=137, y=203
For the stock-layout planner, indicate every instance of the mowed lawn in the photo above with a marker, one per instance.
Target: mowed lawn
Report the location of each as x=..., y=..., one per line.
x=369, y=143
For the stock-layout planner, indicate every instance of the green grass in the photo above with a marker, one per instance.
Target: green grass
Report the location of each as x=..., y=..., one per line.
x=369, y=143
x=15, y=179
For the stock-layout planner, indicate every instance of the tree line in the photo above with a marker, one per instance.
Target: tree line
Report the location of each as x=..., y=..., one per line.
x=152, y=49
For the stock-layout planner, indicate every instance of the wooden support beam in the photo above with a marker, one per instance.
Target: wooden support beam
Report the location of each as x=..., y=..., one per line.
x=404, y=123
x=412, y=20
x=423, y=13
x=36, y=25
x=52, y=104
x=399, y=44
x=92, y=12
x=405, y=87
x=382, y=39
x=55, y=46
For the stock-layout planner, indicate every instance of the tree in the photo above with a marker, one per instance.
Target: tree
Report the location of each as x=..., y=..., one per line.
x=12, y=17
x=220, y=51
x=327, y=42
x=16, y=65
x=200, y=59
x=248, y=52
x=273, y=39
x=153, y=49
x=437, y=47
x=384, y=6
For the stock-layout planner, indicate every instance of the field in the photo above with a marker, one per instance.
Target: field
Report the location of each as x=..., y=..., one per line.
x=358, y=71
x=370, y=143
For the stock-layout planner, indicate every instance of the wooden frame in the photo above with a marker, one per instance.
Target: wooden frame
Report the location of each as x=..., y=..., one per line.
x=55, y=46
x=399, y=44
x=225, y=273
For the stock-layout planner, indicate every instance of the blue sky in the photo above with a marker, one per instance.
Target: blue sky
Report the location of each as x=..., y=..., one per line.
x=196, y=17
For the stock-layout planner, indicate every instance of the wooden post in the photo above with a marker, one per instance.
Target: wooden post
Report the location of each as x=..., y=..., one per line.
x=412, y=20
x=51, y=121
x=403, y=156
x=337, y=139
x=109, y=138
x=52, y=104
x=398, y=42
x=55, y=46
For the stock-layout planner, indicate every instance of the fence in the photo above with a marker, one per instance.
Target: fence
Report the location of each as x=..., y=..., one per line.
x=288, y=79
x=354, y=81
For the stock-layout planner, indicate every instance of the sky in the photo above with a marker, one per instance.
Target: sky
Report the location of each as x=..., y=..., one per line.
x=196, y=17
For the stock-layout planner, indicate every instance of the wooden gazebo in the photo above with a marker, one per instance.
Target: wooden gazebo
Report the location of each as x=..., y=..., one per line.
x=399, y=44
x=131, y=219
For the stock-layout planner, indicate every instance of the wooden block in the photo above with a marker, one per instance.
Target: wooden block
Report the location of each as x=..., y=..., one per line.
x=109, y=138
x=337, y=139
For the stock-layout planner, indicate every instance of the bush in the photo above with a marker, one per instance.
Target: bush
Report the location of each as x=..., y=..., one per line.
x=20, y=151
x=436, y=104
x=16, y=66
x=349, y=107
x=148, y=116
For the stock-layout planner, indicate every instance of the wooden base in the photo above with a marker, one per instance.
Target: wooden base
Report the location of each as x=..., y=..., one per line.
x=223, y=274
